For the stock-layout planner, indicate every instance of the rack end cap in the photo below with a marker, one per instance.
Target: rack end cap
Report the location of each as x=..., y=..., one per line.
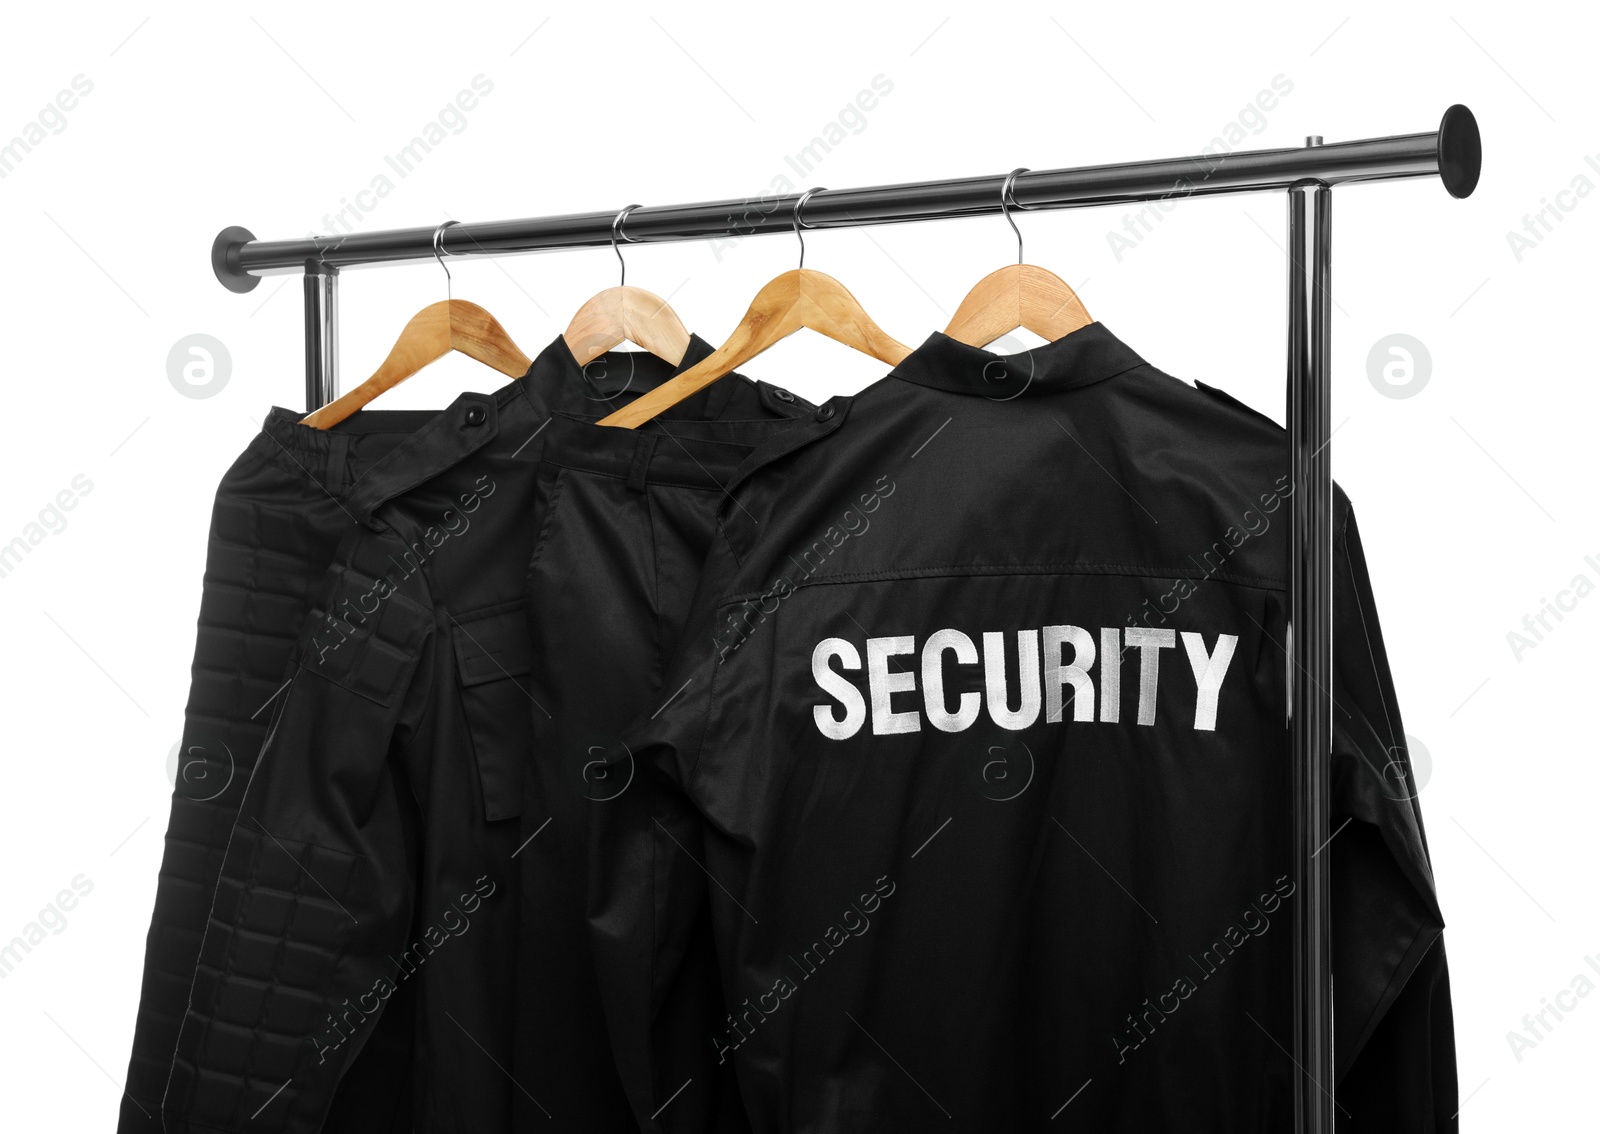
x=1460, y=151
x=225, y=259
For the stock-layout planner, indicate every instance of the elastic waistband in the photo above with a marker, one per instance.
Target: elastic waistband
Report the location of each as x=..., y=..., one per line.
x=282, y=429
x=688, y=454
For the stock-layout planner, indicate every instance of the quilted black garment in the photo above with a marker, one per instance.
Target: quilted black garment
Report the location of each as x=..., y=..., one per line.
x=373, y=855
x=274, y=527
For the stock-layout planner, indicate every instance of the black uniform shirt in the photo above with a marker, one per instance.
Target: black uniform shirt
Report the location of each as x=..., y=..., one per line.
x=980, y=735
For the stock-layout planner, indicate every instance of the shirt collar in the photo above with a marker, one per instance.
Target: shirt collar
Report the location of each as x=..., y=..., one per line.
x=1090, y=354
x=615, y=378
x=556, y=383
x=596, y=386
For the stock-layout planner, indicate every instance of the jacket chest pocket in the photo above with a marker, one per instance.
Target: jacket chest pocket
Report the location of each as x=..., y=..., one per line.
x=493, y=660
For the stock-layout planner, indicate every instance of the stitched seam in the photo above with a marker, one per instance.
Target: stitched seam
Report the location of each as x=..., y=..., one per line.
x=968, y=391
x=722, y=530
x=705, y=725
x=549, y=518
x=717, y=441
x=661, y=651
x=650, y=481
x=1002, y=569
x=506, y=661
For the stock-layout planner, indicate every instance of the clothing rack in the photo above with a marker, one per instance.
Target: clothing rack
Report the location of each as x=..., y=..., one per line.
x=1305, y=175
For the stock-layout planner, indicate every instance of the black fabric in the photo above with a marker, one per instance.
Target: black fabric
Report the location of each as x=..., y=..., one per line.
x=274, y=526
x=1396, y=1064
x=372, y=857
x=1035, y=894
x=625, y=520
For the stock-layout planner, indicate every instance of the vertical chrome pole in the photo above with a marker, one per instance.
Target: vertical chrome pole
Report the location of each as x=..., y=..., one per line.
x=322, y=334
x=1310, y=642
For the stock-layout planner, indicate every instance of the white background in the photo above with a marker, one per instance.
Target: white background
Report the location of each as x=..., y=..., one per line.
x=1475, y=496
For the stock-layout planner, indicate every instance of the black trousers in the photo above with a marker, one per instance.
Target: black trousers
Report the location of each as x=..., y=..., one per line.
x=626, y=521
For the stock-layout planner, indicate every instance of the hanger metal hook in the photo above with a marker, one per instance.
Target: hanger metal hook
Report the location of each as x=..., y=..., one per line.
x=1008, y=202
x=616, y=231
x=439, y=255
x=800, y=224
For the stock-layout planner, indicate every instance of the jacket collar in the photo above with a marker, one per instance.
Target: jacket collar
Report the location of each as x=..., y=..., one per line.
x=1090, y=354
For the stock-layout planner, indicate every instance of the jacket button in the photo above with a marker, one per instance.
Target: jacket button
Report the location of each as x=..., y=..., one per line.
x=474, y=416
x=825, y=413
x=782, y=395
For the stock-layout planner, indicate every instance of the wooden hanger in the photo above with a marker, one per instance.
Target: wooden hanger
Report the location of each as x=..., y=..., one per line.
x=1017, y=297
x=798, y=298
x=624, y=314
x=432, y=333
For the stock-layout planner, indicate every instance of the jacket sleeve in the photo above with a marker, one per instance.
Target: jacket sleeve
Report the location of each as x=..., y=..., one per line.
x=1394, y=1040
x=315, y=894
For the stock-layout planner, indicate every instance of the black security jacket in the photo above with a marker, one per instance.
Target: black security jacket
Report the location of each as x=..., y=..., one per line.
x=980, y=765
x=372, y=860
